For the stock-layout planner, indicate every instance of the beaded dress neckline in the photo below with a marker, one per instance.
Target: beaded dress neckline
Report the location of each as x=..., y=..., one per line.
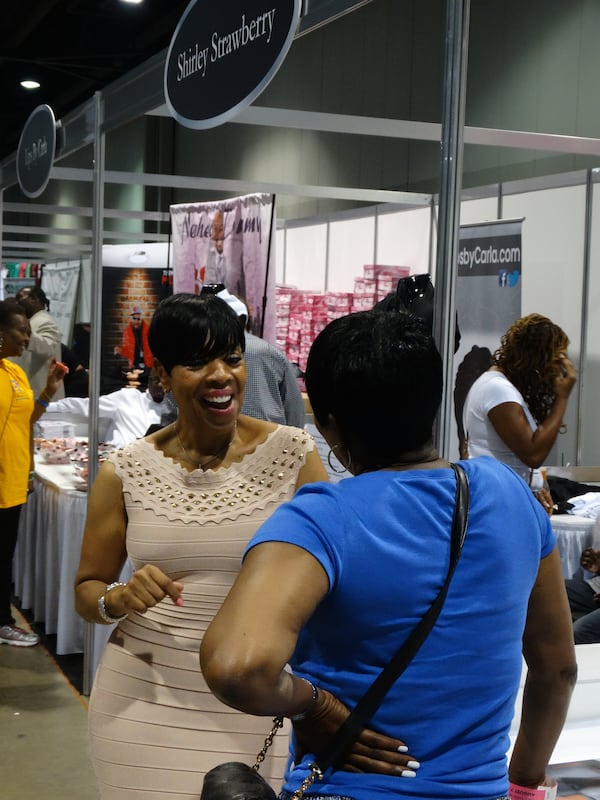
x=155, y=481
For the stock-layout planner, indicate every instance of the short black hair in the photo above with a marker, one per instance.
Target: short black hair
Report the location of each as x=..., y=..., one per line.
x=379, y=374
x=38, y=294
x=189, y=328
x=9, y=308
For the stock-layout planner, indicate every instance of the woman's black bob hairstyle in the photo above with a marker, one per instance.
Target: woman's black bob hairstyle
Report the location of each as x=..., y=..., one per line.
x=379, y=374
x=190, y=329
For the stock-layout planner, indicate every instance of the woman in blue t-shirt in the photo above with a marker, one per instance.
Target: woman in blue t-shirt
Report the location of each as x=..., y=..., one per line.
x=336, y=579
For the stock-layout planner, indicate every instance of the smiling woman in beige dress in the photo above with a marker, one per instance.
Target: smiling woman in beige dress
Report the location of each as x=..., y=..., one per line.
x=181, y=504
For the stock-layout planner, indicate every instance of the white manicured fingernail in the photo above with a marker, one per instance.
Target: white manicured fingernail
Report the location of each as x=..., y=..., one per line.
x=403, y=749
x=408, y=773
x=413, y=764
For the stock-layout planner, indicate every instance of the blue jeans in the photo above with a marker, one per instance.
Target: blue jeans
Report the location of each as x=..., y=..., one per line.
x=288, y=796
x=584, y=611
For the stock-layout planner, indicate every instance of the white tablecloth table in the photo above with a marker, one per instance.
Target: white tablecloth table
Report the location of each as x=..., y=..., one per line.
x=49, y=544
x=47, y=557
x=47, y=554
x=573, y=535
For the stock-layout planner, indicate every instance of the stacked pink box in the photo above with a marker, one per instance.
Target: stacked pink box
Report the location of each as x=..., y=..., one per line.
x=365, y=294
x=386, y=277
x=292, y=344
x=308, y=316
x=302, y=315
x=338, y=304
x=284, y=298
x=319, y=314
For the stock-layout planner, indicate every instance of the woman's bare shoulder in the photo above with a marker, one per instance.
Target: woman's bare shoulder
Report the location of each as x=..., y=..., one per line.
x=254, y=431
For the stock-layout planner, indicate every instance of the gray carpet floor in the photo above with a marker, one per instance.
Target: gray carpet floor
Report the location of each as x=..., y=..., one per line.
x=43, y=729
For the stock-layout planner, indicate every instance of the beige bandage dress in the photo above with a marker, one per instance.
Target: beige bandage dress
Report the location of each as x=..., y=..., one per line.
x=155, y=728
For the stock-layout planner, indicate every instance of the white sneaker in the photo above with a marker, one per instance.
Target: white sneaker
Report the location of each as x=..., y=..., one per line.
x=12, y=634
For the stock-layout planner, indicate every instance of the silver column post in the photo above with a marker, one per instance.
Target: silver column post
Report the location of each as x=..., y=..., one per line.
x=95, y=339
x=585, y=297
x=453, y=118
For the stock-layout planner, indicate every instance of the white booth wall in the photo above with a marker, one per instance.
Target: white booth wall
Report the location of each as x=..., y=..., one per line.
x=302, y=256
x=404, y=239
x=351, y=244
x=327, y=254
x=591, y=384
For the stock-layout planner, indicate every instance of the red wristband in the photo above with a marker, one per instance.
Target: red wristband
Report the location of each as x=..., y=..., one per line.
x=516, y=792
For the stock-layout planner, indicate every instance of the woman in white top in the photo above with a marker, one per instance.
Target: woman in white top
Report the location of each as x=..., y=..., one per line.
x=515, y=410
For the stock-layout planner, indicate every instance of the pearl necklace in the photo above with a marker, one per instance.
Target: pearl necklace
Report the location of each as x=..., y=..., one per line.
x=221, y=454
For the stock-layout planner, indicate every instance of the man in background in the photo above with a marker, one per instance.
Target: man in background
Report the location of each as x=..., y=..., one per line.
x=44, y=342
x=76, y=381
x=215, y=262
x=134, y=347
x=272, y=391
x=584, y=597
x=130, y=411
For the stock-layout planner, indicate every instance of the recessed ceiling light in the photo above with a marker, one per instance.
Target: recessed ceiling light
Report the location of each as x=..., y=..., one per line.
x=133, y=2
x=30, y=84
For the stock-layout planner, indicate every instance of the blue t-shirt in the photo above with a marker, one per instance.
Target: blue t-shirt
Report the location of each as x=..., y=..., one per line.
x=383, y=540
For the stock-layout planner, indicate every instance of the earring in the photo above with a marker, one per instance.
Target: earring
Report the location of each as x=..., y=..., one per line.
x=1, y=341
x=333, y=467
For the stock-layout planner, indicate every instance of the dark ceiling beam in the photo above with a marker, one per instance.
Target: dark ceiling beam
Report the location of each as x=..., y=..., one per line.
x=30, y=19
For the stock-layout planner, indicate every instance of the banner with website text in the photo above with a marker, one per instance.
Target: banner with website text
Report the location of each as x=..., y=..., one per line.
x=488, y=300
x=229, y=242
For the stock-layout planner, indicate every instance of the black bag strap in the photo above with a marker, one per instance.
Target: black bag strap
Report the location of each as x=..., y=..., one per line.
x=373, y=697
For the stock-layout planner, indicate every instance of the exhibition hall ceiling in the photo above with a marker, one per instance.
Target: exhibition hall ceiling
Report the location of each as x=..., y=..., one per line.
x=73, y=48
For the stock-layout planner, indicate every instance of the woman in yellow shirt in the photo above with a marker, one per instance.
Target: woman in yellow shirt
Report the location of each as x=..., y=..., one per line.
x=18, y=411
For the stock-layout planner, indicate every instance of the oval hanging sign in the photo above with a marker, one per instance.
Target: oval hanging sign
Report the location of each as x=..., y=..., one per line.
x=223, y=54
x=35, y=154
